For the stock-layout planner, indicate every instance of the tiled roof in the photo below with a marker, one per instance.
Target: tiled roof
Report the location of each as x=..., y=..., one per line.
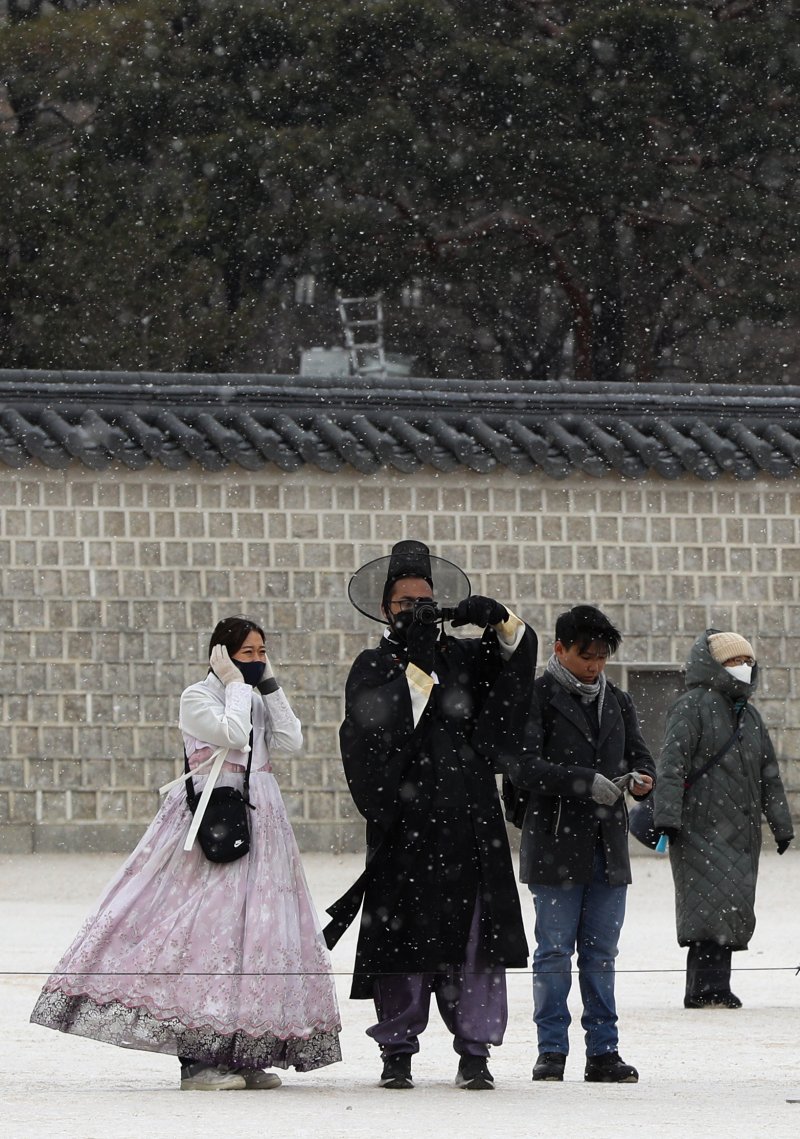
x=132, y=419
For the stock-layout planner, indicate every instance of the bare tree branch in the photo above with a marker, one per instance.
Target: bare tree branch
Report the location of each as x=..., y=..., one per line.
x=575, y=291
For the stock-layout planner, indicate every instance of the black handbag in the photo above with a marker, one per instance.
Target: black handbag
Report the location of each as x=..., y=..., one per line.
x=224, y=831
x=641, y=817
x=515, y=802
x=641, y=822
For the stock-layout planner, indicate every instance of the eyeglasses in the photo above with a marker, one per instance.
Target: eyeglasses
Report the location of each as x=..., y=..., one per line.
x=406, y=604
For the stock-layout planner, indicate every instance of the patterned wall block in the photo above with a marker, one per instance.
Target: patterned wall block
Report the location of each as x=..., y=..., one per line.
x=109, y=589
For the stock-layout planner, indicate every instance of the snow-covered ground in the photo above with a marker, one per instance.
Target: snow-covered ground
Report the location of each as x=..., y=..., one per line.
x=701, y=1073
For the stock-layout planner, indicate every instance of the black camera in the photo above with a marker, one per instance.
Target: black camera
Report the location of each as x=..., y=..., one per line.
x=427, y=612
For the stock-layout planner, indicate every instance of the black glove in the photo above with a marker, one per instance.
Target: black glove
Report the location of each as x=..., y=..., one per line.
x=481, y=611
x=671, y=832
x=783, y=845
x=401, y=623
x=421, y=641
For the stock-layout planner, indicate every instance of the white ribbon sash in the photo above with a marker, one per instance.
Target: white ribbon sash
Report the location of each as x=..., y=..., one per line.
x=195, y=771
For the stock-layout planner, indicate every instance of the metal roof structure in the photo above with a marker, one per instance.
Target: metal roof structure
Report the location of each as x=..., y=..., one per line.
x=133, y=419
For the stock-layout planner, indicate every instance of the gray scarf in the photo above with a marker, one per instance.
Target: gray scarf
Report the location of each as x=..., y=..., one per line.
x=586, y=692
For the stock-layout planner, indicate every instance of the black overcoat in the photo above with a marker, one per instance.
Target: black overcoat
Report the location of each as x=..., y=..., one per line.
x=560, y=759
x=436, y=838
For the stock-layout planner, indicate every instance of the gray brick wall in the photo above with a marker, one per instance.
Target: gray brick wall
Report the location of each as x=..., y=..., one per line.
x=111, y=583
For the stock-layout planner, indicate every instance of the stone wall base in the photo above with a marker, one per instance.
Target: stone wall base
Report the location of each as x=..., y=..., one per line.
x=121, y=838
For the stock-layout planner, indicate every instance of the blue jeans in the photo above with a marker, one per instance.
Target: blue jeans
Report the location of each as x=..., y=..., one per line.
x=589, y=917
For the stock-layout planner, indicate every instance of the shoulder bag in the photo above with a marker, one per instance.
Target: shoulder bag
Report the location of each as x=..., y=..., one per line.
x=221, y=821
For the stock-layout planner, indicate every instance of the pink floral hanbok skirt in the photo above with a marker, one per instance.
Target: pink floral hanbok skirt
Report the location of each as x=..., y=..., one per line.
x=221, y=962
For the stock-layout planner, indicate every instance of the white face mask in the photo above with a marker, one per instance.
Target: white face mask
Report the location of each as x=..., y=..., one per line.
x=741, y=672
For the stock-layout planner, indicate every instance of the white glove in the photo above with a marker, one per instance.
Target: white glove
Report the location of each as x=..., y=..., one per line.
x=223, y=667
x=604, y=791
x=267, y=684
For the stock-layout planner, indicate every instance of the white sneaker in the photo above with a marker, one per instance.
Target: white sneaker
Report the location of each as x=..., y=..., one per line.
x=213, y=1080
x=257, y=1080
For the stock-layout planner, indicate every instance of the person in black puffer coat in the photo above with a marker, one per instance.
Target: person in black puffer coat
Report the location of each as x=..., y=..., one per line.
x=714, y=826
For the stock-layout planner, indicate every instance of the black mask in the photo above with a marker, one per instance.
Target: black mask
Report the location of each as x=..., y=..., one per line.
x=251, y=670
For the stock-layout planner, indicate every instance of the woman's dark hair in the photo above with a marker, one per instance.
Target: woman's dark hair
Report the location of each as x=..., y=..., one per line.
x=584, y=624
x=232, y=632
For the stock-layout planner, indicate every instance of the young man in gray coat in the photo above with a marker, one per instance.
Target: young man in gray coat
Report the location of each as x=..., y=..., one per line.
x=582, y=751
x=714, y=823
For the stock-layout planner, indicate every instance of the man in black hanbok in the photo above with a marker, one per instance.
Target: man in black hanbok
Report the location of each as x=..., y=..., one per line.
x=428, y=718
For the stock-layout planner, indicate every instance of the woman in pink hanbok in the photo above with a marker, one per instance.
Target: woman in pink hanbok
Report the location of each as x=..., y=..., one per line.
x=220, y=964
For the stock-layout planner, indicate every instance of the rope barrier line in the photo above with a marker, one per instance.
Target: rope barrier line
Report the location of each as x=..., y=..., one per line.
x=348, y=973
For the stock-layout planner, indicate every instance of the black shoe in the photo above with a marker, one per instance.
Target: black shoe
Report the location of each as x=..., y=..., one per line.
x=396, y=1072
x=473, y=1074
x=713, y=1000
x=549, y=1066
x=609, y=1069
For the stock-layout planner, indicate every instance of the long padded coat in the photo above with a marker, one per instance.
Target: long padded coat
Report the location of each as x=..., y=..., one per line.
x=715, y=855
x=436, y=837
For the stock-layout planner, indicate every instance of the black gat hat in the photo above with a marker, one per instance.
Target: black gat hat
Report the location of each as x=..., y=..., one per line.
x=369, y=585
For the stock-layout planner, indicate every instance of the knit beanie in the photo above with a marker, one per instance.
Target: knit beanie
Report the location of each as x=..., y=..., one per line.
x=723, y=646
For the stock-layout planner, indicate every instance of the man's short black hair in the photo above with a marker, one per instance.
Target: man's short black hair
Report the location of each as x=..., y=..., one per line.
x=584, y=624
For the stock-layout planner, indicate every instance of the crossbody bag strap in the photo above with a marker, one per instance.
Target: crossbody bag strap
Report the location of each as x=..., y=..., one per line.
x=219, y=758
x=246, y=780
x=717, y=756
x=191, y=794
